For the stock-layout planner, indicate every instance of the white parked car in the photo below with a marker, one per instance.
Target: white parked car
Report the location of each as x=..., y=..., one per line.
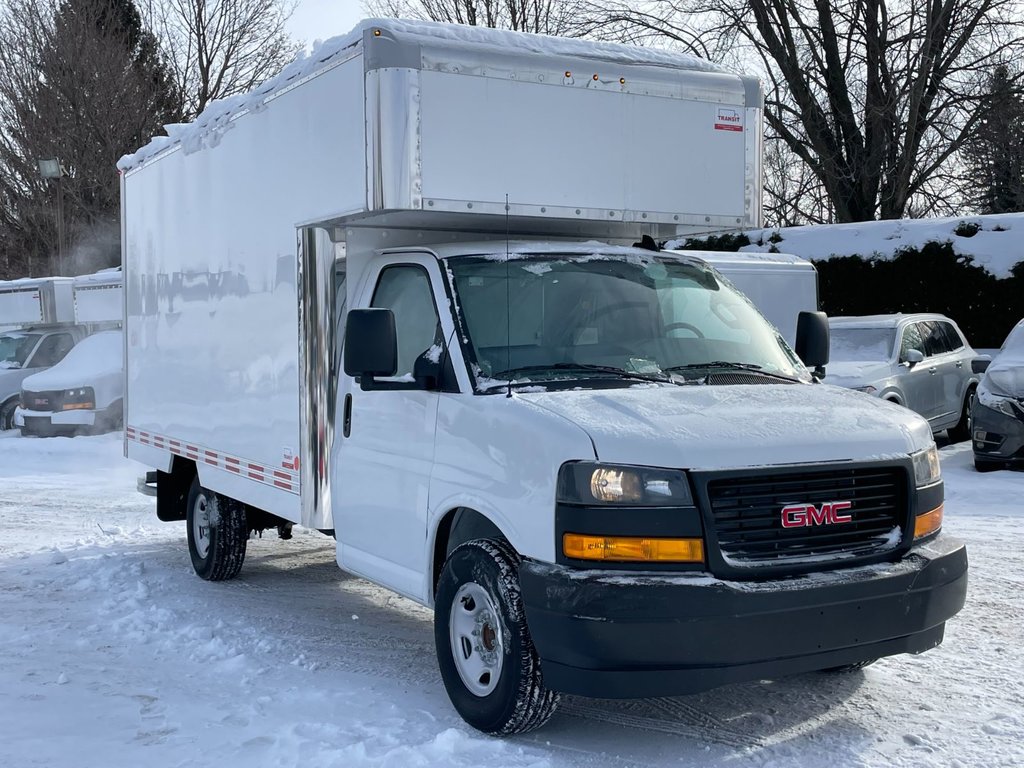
x=83, y=393
x=921, y=361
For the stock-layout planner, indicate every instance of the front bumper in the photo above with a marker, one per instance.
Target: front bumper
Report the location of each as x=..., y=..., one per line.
x=621, y=634
x=43, y=420
x=1003, y=434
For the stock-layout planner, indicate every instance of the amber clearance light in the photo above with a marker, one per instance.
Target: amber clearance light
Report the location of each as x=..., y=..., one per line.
x=631, y=548
x=928, y=523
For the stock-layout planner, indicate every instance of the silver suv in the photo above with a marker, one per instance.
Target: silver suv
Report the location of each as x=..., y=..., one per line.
x=921, y=361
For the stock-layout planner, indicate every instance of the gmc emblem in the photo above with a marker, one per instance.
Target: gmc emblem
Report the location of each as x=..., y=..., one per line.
x=805, y=515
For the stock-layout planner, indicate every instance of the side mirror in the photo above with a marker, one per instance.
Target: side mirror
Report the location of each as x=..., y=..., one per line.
x=980, y=364
x=371, y=348
x=812, y=341
x=913, y=357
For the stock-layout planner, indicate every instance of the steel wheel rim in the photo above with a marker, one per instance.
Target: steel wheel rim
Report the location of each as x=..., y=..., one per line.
x=201, y=526
x=476, y=639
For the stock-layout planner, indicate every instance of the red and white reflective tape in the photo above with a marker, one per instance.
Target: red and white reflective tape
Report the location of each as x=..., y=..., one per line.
x=276, y=478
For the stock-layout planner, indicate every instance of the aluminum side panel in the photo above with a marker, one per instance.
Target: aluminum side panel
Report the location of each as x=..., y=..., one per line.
x=574, y=147
x=211, y=274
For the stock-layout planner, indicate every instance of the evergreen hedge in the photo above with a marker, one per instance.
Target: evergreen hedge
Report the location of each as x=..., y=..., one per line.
x=928, y=279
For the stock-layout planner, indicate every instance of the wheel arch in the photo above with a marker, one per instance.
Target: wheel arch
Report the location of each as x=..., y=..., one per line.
x=457, y=526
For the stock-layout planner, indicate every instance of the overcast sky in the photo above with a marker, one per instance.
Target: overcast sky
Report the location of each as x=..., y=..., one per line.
x=321, y=19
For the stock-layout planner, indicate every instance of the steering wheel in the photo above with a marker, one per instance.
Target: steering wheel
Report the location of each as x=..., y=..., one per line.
x=686, y=327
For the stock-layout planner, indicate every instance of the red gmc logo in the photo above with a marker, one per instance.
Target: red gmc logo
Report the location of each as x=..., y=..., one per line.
x=805, y=515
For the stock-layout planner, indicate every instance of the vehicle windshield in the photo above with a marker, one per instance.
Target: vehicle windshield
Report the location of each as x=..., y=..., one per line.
x=860, y=344
x=555, y=317
x=15, y=348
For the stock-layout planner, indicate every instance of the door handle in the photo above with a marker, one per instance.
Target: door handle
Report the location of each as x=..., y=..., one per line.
x=959, y=363
x=932, y=371
x=346, y=422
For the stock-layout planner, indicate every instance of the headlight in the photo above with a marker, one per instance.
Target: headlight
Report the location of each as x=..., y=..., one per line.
x=869, y=389
x=927, y=470
x=585, y=482
x=77, y=399
x=1002, y=404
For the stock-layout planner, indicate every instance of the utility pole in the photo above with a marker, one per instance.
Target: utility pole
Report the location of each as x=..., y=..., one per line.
x=52, y=169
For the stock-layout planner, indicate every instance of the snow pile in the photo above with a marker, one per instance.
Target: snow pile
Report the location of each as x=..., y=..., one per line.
x=996, y=245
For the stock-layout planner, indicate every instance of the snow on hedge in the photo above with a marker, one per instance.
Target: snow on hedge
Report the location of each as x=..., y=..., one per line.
x=993, y=242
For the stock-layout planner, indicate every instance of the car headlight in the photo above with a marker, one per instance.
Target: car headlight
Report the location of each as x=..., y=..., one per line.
x=927, y=470
x=78, y=398
x=1004, y=405
x=585, y=482
x=868, y=389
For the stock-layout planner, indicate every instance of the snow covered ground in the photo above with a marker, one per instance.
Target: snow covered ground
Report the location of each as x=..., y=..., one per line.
x=112, y=653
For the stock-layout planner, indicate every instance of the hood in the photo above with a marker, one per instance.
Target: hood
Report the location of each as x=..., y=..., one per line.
x=718, y=427
x=1005, y=375
x=97, y=360
x=856, y=373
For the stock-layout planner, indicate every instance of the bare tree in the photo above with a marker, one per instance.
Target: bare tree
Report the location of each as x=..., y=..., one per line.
x=568, y=18
x=876, y=97
x=220, y=48
x=81, y=81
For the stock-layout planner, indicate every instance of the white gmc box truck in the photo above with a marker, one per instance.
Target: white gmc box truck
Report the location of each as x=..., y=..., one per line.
x=44, y=318
x=393, y=295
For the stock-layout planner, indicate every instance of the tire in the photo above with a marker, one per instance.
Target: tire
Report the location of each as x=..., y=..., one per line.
x=987, y=465
x=217, y=533
x=7, y=414
x=845, y=669
x=478, y=592
x=962, y=430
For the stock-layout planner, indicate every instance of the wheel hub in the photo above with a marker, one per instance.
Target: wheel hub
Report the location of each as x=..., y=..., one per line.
x=201, y=526
x=476, y=639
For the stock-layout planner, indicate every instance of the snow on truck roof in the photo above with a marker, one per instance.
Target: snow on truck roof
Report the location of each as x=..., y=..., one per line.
x=590, y=250
x=215, y=119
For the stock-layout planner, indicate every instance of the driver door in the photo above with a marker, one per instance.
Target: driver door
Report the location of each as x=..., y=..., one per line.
x=384, y=449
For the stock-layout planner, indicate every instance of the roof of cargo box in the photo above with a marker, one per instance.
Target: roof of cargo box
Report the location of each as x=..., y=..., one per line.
x=586, y=251
x=207, y=128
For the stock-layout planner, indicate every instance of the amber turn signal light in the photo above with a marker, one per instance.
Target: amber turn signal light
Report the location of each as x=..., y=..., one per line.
x=632, y=549
x=928, y=523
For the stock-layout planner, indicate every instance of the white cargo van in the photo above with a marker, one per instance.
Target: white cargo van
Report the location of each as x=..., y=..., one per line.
x=393, y=295
x=45, y=318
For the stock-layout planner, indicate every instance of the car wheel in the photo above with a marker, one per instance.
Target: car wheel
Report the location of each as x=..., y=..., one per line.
x=962, y=430
x=7, y=414
x=488, y=663
x=987, y=465
x=217, y=533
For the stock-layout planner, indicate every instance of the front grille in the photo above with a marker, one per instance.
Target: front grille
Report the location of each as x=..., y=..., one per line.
x=747, y=513
x=41, y=401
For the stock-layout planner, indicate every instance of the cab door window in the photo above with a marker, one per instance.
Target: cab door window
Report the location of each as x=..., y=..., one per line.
x=52, y=350
x=406, y=291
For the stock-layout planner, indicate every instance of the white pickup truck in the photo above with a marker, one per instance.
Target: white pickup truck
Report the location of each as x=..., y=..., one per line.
x=394, y=295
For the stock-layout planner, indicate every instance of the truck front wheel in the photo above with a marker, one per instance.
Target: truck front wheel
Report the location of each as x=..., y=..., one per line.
x=217, y=533
x=488, y=663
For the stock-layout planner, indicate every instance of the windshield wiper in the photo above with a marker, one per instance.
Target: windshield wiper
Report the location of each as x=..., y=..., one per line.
x=728, y=364
x=526, y=370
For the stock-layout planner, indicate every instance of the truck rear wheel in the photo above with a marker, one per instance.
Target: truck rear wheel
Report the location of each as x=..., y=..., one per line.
x=217, y=533
x=489, y=665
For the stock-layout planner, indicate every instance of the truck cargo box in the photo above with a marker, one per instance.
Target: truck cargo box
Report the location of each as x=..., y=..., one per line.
x=99, y=298
x=232, y=224
x=36, y=301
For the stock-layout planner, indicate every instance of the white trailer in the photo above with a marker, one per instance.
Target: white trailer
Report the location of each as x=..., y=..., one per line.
x=391, y=295
x=99, y=299
x=781, y=285
x=36, y=301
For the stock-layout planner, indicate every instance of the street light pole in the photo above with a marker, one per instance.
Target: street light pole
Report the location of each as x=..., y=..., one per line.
x=52, y=169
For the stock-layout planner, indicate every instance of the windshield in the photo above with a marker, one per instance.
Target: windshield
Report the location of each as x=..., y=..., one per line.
x=549, y=318
x=15, y=348
x=860, y=344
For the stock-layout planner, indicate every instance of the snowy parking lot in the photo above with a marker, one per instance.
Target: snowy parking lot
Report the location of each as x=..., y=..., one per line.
x=113, y=653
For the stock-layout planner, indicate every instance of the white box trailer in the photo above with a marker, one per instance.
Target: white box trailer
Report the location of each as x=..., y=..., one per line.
x=36, y=301
x=781, y=285
x=370, y=298
x=99, y=298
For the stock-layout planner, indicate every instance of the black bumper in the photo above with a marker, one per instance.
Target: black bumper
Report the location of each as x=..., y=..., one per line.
x=1004, y=435
x=627, y=634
